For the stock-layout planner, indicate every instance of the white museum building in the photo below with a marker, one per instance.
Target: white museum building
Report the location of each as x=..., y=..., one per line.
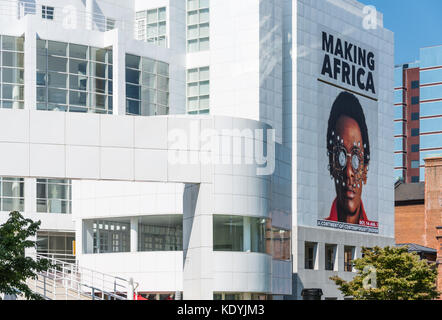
x=181, y=143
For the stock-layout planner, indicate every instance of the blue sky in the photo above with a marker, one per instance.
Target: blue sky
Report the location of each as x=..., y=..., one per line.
x=415, y=23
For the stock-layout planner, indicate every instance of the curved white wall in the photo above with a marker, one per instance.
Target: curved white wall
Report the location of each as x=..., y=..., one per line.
x=242, y=272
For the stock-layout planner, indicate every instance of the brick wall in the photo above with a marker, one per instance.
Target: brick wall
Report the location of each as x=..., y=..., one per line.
x=410, y=224
x=433, y=200
x=439, y=260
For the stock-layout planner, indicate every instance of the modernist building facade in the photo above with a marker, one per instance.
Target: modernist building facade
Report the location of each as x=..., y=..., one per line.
x=191, y=152
x=417, y=114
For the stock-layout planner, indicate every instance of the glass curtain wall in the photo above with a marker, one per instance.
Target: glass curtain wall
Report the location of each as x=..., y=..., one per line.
x=54, y=195
x=197, y=25
x=12, y=72
x=152, y=26
x=161, y=233
x=12, y=195
x=278, y=243
x=198, y=90
x=57, y=243
x=147, y=86
x=238, y=233
x=111, y=236
x=74, y=78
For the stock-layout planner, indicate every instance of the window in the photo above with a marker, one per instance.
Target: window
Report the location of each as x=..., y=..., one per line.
x=110, y=24
x=73, y=77
x=12, y=72
x=330, y=256
x=414, y=164
x=414, y=148
x=398, y=160
x=398, y=112
x=147, y=86
x=398, y=128
x=54, y=195
x=415, y=116
x=160, y=233
x=111, y=236
x=415, y=132
x=198, y=90
x=197, y=25
x=310, y=255
x=47, y=12
x=278, y=243
x=414, y=100
x=415, y=179
x=12, y=194
x=414, y=84
x=57, y=244
x=237, y=233
x=348, y=258
x=151, y=26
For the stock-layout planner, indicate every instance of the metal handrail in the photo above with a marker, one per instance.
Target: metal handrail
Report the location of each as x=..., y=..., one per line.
x=88, y=20
x=80, y=282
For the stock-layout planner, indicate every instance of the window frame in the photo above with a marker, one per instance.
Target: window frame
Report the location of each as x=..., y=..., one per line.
x=48, y=184
x=143, y=24
x=310, y=255
x=90, y=59
x=47, y=12
x=148, y=102
x=348, y=263
x=4, y=180
x=198, y=24
x=12, y=57
x=197, y=83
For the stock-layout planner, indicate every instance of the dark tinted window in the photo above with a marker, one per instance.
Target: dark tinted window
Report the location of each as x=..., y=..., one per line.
x=414, y=100
x=414, y=84
x=415, y=116
x=414, y=179
x=414, y=132
x=414, y=148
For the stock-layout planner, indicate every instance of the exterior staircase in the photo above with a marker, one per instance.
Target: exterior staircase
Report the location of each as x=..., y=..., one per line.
x=68, y=281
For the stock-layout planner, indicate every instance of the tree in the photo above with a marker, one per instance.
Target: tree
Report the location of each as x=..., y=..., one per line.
x=15, y=268
x=390, y=273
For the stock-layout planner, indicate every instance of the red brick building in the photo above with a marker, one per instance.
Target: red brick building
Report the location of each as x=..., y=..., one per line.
x=418, y=214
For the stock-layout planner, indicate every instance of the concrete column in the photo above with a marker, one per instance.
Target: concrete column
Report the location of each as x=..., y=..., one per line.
x=247, y=245
x=198, y=242
x=89, y=14
x=119, y=72
x=30, y=63
x=340, y=253
x=134, y=234
x=88, y=236
x=30, y=196
x=320, y=256
x=16, y=195
x=30, y=208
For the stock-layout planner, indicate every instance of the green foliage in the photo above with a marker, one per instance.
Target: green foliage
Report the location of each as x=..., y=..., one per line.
x=400, y=275
x=15, y=268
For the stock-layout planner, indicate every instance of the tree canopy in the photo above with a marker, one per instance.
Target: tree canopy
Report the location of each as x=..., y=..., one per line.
x=15, y=267
x=390, y=273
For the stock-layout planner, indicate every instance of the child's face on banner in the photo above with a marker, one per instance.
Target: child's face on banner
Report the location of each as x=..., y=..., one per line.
x=349, y=192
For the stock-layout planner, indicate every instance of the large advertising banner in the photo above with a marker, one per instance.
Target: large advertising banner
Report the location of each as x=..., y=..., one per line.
x=348, y=134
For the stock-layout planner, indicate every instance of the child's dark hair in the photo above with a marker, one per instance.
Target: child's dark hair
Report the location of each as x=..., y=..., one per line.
x=346, y=104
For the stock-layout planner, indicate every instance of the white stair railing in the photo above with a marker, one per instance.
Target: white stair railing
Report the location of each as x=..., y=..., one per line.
x=67, y=281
